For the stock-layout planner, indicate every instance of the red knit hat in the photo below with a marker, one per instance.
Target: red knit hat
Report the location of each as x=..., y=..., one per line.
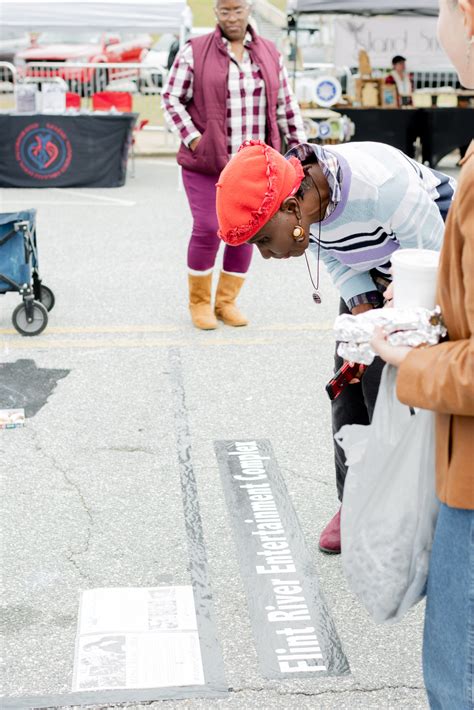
x=251, y=189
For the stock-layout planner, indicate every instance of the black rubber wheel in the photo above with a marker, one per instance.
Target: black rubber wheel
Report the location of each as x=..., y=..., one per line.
x=37, y=325
x=47, y=297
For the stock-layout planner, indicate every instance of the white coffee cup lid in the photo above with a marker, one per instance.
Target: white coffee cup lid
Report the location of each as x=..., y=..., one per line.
x=416, y=258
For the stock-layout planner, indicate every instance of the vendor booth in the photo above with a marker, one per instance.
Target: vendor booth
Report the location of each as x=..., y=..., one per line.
x=51, y=150
x=440, y=130
x=46, y=145
x=366, y=34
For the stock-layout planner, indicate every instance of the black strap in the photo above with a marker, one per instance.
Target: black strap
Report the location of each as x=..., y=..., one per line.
x=7, y=237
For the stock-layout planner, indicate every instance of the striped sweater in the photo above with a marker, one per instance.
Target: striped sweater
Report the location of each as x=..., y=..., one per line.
x=385, y=201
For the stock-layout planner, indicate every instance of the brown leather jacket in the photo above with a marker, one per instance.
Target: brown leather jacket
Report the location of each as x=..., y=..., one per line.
x=441, y=378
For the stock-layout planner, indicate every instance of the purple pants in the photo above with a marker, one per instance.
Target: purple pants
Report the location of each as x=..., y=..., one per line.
x=204, y=242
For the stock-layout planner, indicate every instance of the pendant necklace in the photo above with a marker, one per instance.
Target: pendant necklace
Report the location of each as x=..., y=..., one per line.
x=316, y=295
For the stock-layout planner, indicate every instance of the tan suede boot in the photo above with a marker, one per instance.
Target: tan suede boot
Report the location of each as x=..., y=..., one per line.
x=200, y=302
x=225, y=309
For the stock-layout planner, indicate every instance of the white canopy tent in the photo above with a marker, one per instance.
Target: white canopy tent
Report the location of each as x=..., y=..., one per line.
x=365, y=7
x=383, y=27
x=155, y=16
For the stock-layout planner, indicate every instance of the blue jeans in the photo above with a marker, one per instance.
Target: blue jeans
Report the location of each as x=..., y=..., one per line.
x=448, y=644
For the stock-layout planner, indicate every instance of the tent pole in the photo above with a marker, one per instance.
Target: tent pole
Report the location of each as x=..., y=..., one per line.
x=295, y=59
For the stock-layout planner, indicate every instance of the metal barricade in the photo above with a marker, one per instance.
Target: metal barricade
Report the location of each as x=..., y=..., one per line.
x=7, y=86
x=143, y=82
x=427, y=78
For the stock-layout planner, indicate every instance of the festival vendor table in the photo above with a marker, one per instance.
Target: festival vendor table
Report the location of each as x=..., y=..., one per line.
x=440, y=130
x=397, y=127
x=65, y=150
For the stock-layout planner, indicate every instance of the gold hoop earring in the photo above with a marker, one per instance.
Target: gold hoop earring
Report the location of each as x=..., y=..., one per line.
x=298, y=233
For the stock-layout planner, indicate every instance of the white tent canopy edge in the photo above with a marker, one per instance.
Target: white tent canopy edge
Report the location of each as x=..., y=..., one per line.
x=365, y=7
x=107, y=15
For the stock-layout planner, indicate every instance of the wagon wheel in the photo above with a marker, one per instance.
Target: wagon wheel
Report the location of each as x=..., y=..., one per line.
x=47, y=297
x=38, y=322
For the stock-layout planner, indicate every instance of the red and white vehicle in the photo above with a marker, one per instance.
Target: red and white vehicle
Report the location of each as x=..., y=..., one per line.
x=68, y=49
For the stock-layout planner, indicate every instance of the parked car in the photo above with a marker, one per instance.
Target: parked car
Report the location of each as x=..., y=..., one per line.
x=11, y=42
x=155, y=60
x=76, y=48
x=154, y=63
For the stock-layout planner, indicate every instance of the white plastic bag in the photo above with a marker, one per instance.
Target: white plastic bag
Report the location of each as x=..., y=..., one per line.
x=390, y=507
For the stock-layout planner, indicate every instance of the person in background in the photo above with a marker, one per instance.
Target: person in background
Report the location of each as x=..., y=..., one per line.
x=173, y=51
x=224, y=87
x=401, y=79
x=441, y=378
x=352, y=205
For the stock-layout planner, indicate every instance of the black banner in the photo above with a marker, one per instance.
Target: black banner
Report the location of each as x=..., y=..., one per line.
x=46, y=150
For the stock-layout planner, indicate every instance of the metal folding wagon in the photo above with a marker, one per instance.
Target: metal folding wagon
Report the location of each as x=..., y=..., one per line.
x=19, y=271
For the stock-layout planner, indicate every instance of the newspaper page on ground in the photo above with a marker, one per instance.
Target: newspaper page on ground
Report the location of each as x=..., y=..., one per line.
x=12, y=418
x=137, y=638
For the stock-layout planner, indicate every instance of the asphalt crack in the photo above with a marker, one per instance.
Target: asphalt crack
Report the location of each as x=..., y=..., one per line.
x=311, y=478
x=72, y=553
x=327, y=691
x=128, y=449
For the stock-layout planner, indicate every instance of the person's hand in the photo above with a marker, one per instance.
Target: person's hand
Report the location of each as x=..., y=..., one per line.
x=361, y=308
x=356, y=379
x=393, y=354
x=194, y=143
x=388, y=297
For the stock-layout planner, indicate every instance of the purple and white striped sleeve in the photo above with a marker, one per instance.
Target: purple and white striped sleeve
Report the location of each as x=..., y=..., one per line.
x=288, y=112
x=177, y=93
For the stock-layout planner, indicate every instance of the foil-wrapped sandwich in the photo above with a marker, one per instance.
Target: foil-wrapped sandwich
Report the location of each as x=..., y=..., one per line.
x=407, y=326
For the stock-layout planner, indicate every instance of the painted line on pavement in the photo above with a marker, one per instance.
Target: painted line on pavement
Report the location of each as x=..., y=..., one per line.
x=294, y=632
x=289, y=327
x=92, y=196
x=149, y=328
x=163, y=161
x=212, y=660
x=253, y=336
x=39, y=203
x=146, y=343
x=71, y=330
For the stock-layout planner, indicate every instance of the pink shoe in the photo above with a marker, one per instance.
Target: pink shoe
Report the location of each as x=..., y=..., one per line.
x=330, y=540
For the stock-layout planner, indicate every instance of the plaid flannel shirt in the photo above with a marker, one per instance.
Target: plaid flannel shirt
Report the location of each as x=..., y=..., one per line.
x=246, y=101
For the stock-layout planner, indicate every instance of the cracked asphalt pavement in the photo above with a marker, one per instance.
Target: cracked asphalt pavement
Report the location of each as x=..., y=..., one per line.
x=91, y=485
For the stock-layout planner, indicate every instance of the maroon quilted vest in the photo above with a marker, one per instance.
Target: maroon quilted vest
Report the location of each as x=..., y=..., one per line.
x=208, y=106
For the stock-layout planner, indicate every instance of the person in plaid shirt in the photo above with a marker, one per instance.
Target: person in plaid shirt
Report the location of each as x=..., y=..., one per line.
x=224, y=88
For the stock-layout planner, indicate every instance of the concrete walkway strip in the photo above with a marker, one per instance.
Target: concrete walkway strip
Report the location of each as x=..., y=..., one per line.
x=293, y=629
